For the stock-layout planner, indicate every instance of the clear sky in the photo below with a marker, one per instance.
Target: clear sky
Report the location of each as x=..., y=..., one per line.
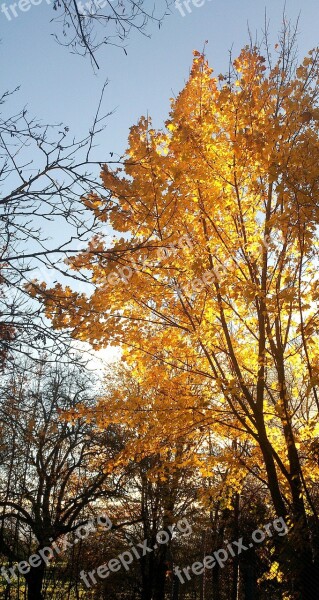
x=59, y=86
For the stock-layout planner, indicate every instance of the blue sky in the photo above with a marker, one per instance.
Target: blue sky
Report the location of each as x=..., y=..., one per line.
x=59, y=86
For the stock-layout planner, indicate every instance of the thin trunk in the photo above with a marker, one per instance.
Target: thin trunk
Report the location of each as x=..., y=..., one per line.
x=249, y=582
x=34, y=581
x=161, y=569
x=308, y=587
x=175, y=588
x=148, y=575
x=235, y=579
x=216, y=582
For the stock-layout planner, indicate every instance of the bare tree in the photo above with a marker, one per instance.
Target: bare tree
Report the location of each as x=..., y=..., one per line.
x=88, y=25
x=44, y=173
x=54, y=471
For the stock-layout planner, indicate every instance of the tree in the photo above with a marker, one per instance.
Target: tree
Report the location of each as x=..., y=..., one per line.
x=86, y=26
x=161, y=482
x=43, y=174
x=54, y=473
x=234, y=308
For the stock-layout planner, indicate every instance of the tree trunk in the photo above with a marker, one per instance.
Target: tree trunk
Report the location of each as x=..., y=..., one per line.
x=146, y=584
x=148, y=572
x=34, y=581
x=235, y=575
x=216, y=582
x=161, y=569
x=250, y=583
x=175, y=588
x=308, y=580
x=249, y=580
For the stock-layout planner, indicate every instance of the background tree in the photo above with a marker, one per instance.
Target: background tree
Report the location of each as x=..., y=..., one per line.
x=54, y=473
x=86, y=26
x=43, y=175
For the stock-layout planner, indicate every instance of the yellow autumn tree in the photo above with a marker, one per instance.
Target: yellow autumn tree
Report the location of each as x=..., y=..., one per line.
x=213, y=278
